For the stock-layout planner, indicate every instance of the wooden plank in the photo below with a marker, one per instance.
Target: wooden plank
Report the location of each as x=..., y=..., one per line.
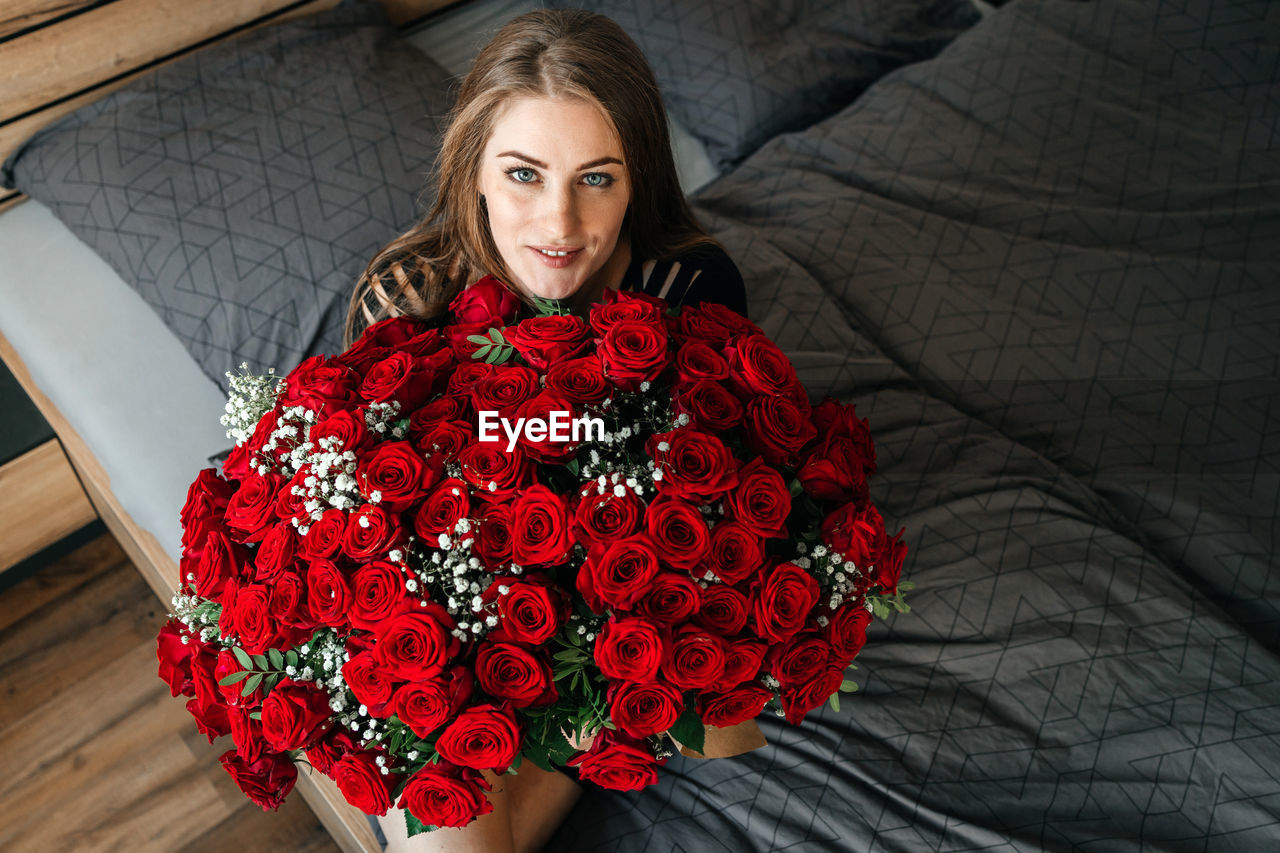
x=17, y=15
x=346, y=824
x=115, y=39
x=11, y=199
x=41, y=501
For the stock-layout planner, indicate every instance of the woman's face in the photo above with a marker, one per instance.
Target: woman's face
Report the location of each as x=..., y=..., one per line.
x=557, y=190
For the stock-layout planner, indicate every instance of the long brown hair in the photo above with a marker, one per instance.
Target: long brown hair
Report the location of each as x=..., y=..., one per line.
x=543, y=53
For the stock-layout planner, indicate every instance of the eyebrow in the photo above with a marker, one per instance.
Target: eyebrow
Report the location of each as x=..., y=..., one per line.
x=598, y=162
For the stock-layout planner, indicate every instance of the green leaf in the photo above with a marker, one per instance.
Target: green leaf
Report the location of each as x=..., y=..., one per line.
x=291, y=658
x=251, y=684
x=255, y=715
x=834, y=701
x=689, y=730
x=414, y=826
x=538, y=755
x=493, y=356
x=906, y=586
x=482, y=351
x=795, y=486
x=479, y=339
x=259, y=662
x=572, y=466
x=848, y=686
x=496, y=334
x=277, y=659
x=242, y=656
x=234, y=677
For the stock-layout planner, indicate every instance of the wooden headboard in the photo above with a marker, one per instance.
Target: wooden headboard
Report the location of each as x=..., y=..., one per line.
x=56, y=55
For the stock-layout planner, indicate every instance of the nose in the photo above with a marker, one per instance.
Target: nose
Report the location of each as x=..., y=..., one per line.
x=559, y=213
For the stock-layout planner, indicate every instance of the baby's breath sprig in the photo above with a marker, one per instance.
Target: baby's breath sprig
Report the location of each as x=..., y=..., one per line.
x=251, y=397
x=836, y=576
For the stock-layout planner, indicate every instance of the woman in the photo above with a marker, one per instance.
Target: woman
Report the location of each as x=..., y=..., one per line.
x=556, y=176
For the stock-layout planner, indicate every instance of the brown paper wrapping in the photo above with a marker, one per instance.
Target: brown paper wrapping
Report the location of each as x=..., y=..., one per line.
x=726, y=742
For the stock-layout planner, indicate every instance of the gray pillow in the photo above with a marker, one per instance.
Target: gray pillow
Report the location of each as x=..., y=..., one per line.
x=242, y=189
x=737, y=72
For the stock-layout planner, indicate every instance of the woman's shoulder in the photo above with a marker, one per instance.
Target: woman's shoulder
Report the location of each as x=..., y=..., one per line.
x=703, y=273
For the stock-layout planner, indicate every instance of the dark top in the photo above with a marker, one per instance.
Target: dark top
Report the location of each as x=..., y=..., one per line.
x=703, y=274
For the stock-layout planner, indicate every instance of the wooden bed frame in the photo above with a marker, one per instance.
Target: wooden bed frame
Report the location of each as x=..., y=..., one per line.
x=56, y=55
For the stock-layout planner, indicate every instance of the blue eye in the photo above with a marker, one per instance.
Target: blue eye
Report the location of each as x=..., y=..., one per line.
x=605, y=180
x=517, y=172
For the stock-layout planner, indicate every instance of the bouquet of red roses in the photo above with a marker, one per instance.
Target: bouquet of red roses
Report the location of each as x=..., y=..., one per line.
x=453, y=548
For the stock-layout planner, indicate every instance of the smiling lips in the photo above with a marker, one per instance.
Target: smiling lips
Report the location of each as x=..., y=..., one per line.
x=556, y=258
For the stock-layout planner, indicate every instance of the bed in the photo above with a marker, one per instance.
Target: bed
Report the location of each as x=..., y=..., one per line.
x=1036, y=245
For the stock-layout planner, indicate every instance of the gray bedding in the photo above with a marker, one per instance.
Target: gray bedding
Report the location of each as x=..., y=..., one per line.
x=1046, y=265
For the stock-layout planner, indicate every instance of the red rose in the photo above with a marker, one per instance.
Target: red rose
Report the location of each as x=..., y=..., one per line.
x=425, y=706
x=696, y=660
x=377, y=590
x=488, y=465
x=444, y=440
x=449, y=501
x=776, y=428
x=621, y=305
x=288, y=604
x=328, y=595
x=398, y=472
x=723, y=610
x=324, y=535
x=693, y=465
x=557, y=443
x=371, y=531
x=276, y=553
x=736, y=551
x=266, y=781
x=889, y=568
x=734, y=707
x=246, y=733
x=742, y=663
x=460, y=335
x=294, y=714
x=440, y=795
x=714, y=323
x=800, y=700
x=711, y=407
x=504, y=389
x=370, y=683
x=834, y=418
x=207, y=497
x=781, y=601
x=600, y=517
x=696, y=361
x=634, y=351
x=341, y=431
x=857, y=535
x=361, y=781
x=215, y=668
x=757, y=367
x=761, y=499
x=244, y=457
x=618, y=574
x=483, y=737
x=466, y=375
x=544, y=341
x=540, y=528
x=617, y=762
x=402, y=378
x=251, y=510
x=290, y=504
x=510, y=671
x=630, y=649
x=447, y=407
x=579, y=380
x=645, y=709
x=834, y=470
x=532, y=610
x=417, y=645
x=328, y=751
x=847, y=630
x=174, y=647
x=487, y=301
x=799, y=660
x=208, y=707
x=251, y=618
x=680, y=533
x=322, y=385
x=493, y=535
x=670, y=599
x=220, y=561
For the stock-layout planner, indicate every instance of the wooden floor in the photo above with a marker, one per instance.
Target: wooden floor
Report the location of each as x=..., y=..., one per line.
x=94, y=752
